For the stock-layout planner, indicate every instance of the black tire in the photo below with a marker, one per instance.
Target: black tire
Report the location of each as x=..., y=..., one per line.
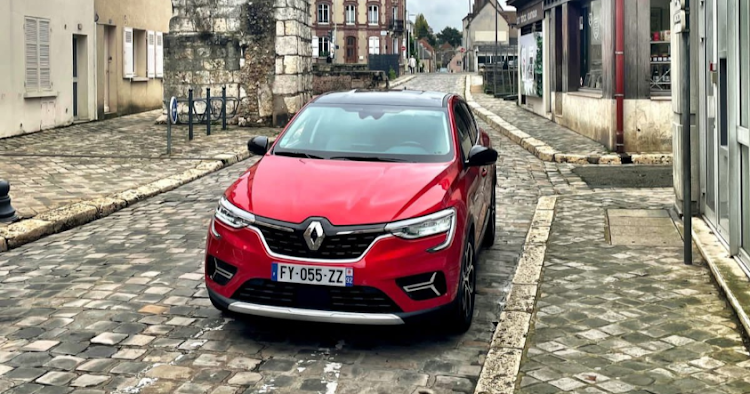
x=462, y=311
x=490, y=231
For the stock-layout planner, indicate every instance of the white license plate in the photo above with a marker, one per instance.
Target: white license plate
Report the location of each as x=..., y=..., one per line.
x=312, y=275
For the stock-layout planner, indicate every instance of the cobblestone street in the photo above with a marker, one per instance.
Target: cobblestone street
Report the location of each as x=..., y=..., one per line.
x=62, y=166
x=118, y=305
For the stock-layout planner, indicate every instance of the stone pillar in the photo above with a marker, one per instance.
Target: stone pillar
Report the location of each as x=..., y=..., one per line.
x=260, y=50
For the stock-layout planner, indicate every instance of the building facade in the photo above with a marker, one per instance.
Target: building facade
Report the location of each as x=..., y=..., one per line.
x=47, y=71
x=130, y=53
x=360, y=28
x=479, y=34
x=568, y=69
x=720, y=113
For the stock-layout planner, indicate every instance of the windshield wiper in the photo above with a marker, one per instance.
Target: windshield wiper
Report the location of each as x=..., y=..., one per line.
x=370, y=158
x=296, y=154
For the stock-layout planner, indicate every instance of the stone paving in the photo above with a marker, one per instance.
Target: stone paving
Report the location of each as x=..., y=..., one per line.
x=62, y=166
x=118, y=305
x=558, y=137
x=627, y=319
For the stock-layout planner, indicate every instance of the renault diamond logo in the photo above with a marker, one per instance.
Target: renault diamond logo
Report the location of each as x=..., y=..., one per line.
x=314, y=236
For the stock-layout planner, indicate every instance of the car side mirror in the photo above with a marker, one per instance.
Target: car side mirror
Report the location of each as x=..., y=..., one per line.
x=258, y=145
x=481, y=156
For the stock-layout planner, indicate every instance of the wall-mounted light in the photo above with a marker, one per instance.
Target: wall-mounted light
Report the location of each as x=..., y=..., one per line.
x=80, y=26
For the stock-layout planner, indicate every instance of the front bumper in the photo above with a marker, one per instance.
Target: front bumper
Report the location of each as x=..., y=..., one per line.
x=318, y=316
x=388, y=260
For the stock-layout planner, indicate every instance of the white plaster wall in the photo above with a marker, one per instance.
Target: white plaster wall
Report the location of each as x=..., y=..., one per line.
x=647, y=125
x=20, y=115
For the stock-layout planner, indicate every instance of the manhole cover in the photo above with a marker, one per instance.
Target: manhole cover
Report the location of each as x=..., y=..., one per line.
x=641, y=227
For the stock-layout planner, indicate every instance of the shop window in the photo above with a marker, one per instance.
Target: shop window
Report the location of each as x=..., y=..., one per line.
x=591, y=45
x=661, y=53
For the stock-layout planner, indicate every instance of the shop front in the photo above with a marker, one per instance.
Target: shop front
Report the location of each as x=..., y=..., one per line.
x=724, y=121
x=578, y=75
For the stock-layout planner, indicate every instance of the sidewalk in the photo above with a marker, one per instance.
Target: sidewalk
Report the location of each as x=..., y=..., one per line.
x=616, y=310
x=546, y=139
x=60, y=176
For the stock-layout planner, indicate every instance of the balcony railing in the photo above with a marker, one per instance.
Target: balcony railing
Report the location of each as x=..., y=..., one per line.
x=397, y=25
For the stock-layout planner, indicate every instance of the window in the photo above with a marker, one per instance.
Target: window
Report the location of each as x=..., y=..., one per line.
x=661, y=56
x=373, y=16
x=140, y=53
x=473, y=132
x=387, y=132
x=37, y=47
x=395, y=46
x=464, y=136
x=591, y=45
x=324, y=46
x=351, y=14
x=395, y=13
x=374, y=46
x=324, y=13
x=744, y=63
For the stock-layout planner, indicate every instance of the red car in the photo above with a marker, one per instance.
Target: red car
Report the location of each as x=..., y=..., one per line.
x=367, y=209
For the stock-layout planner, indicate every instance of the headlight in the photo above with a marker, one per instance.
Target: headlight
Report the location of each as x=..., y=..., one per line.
x=233, y=216
x=437, y=223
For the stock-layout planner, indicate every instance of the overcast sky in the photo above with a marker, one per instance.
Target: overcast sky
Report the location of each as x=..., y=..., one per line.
x=441, y=13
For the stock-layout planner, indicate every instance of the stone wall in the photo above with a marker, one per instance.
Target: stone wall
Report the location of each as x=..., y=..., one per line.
x=260, y=50
x=338, y=77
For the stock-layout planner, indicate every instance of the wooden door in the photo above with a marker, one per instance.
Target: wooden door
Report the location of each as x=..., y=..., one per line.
x=351, y=49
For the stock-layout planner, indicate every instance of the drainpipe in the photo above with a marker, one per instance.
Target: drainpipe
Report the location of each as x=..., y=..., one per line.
x=620, y=73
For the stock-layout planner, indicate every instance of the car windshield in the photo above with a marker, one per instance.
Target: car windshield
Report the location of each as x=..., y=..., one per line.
x=369, y=133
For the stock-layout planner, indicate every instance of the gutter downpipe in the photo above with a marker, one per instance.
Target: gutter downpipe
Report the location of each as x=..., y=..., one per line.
x=620, y=74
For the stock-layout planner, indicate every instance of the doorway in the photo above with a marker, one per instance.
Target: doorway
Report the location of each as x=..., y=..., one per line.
x=80, y=78
x=109, y=37
x=351, y=49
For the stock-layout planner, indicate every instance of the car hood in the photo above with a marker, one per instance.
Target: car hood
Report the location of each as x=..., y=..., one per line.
x=344, y=192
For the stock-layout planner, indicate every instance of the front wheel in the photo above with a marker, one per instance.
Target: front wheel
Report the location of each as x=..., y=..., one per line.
x=462, y=311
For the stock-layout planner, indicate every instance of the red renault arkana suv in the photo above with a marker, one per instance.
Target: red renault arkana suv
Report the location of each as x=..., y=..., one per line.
x=368, y=209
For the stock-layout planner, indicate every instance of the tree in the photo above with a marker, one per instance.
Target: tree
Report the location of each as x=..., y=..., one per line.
x=421, y=27
x=451, y=36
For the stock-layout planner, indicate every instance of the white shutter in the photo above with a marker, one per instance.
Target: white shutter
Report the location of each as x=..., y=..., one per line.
x=151, y=55
x=127, y=53
x=32, y=54
x=374, y=46
x=45, y=72
x=315, y=49
x=159, y=54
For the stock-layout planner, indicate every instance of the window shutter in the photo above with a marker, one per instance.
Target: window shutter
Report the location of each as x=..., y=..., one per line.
x=127, y=53
x=159, y=54
x=32, y=54
x=151, y=55
x=374, y=45
x=315, y=49
x=45, y=73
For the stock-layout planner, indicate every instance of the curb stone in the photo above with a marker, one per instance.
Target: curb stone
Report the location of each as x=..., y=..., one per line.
x=503, y=361
x=727, y=272
x=79, y=213
x=399, y=82
x=545, y=152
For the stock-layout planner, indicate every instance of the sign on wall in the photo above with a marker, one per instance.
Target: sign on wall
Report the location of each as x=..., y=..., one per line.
x=530, y=63
x=531, y=14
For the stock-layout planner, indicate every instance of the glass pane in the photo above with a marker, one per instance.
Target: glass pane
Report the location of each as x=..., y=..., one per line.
x=746, y=199
x=593, y=45
x=744, y=62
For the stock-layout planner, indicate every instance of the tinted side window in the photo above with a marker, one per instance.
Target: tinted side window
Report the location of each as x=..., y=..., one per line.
x=464, y=133
x=472, y=123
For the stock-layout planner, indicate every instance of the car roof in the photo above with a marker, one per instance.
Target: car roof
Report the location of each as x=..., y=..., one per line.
x=412, y=98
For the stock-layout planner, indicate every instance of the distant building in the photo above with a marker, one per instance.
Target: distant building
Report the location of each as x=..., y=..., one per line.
x=479, y=34
x=362, y=28
x=47, y=75
x=130, y=52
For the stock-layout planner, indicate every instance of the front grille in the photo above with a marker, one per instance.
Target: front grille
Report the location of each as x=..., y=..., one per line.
x=359, y=299
x=339, y=247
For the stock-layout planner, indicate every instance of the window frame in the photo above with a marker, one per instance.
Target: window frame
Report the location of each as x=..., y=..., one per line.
x=462, y=136
x=324, y=46
x=350, y=10
x=373, y=9
x=324, y=9
x=584, y=42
